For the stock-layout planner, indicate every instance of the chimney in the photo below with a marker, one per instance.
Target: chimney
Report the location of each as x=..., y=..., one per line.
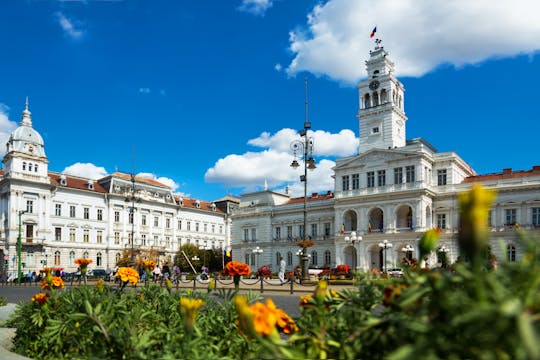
x=507, y=171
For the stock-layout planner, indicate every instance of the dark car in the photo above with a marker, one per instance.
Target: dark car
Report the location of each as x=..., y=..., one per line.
x=100, y=274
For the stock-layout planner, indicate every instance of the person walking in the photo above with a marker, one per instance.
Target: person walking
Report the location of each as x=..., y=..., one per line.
x=281, y=273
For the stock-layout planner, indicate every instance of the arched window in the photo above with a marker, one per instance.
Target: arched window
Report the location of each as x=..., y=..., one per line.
x=24, y=166
x=375, y=99
x=314, y=260
x=57, y=258
x=511, y=253
x=327, y=258
x=85, y=255
x=35, y=168
x=98, y=259
x=367, y=101
x=252, y=259
x=349, y=221
x=71, y=257
x=289, y=258
x=376, y=220
x=246, y=258
x=278, y=258
x=404, y=218
x=384, y=96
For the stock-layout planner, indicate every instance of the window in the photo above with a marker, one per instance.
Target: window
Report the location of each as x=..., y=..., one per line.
x=29, y=206
x=246, y=234
x=57, y=258
x=72, y=211
x=409, y=174
x=381, y=177
x=355, y=181
x=72, y=235
x=510, y=216
x=253, y=234
x=441, y=221
x=156, y=221
x=314, y=231
x=168, y=223
x=57, y=234
x=278, y=258
x=143, y=239
x=314, y=261
x=85, y=255
x=35, y=167
x=278, y=233
x=345, y=182
x=29, y=232
x=99, y=237
x=511, y=253
x=221, y=229
x=99, y=261
x=86, y=213
x=441, y=177
x=156, y=240
x=179, y=224
x=289, y=232
x=143, y=219
x=246, y=258
x=213, y=229
x=197, y=226
x=117, y=238
x=289, y=258
x=24, y=166
x=58, y=209
x=535, y=217
x=130, y=217
x=86, y=236
x=167, y=241
x=398, y=175
x=301, y=231
x=327, y=258
x=117, y=216
x=205, y=227
x=118, y=257
x=375, y=130
x=189, y=225
x=100, y=214
x=71, y=257
x=370, y=179
x=327, y=229
x=490, y=216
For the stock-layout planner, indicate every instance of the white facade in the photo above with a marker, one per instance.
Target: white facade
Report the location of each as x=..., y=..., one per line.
x=393, y=190
x=61, y=218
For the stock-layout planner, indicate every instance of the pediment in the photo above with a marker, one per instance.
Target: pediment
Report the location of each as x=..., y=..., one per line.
x=374, y=156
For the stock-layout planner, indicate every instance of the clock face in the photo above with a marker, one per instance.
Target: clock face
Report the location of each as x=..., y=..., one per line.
x=374, y=85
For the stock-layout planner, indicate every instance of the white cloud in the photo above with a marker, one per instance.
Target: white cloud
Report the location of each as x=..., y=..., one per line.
x=256, y=7
x=278, y=67
x=6, y=128
x=164, y=180
x=69, y=26
x=86, y=170
x=251, y=169
x=144, y=90
x=420, y=35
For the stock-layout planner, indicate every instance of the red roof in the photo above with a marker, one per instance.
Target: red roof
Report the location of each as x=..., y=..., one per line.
x=73, y=182
x=140, y=179
x=507, y=173
x=313, y=197
x=192, y=203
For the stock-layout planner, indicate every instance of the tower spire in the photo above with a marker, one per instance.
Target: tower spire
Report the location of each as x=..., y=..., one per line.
x=26, y=119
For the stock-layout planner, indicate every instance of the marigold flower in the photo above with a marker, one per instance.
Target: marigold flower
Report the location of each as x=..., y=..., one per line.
x=189, y=307
x=57, y=282
x=40, y=298
x=306, y=300
x=237, y=268
x=320, y=291
x=83, y=262
x=99, y=285
x=428, y=241
x=263, y=319
x=128, y=274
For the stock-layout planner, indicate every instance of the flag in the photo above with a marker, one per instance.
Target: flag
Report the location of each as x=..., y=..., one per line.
x=342, y=228
x=369, y=226
x=373, y=32
x=228, y=253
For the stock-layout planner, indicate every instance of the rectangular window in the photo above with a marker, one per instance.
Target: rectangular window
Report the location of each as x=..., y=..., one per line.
x=327, y=229
x=117, y=216
x=441, y=221
x=179, y=224
x=72, y=235
x=221, y=229
x=189, y=225
x=99, y=237
x=289, y=232
x=301, y=231
x=86, y=213
x=143, y=239
x=205, y=227
x=278, y=233
x=381, y=177
x=370, y=179
x=58, y=234
x=197, y=226
x=156, y=240
x=490, y=216
x=246, y=234
x=72, y=211
x=58, y=209
x=410, y=174
x=130, y=238
x=117, y=238
x=441, y=177
x=130, y=217
x=510, y=216
x=86, y=236
x=213, y=229
x=143, y=219
x=100, y=214
x=398, y=175
x=355, y=181
x=168, y=223
x=156, y=221
x=29, y=206
x=253, y=234
x=345, y=182
x=535, y=217
x=314, y=231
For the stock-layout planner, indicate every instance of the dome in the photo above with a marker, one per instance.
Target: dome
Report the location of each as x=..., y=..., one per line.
x=25, y=138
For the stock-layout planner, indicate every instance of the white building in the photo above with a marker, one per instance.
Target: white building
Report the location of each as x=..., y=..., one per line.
x=60, y=218
x=390, y=193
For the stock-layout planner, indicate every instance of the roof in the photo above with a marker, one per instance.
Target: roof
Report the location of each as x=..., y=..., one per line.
x=192, y=203
x=507, y=173
x=139, y=179
x=73, y=182
x=313, y=197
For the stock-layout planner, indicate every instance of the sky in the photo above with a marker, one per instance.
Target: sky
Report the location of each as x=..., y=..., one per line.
x=206, y=96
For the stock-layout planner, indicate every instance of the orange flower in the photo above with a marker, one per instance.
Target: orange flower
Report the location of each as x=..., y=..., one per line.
x=128, y=274
x=263, y=318
x=305, y=300
x=57, y=282
x=83, y=262
x=40, y=298
x=237, y=268
x=148, y=265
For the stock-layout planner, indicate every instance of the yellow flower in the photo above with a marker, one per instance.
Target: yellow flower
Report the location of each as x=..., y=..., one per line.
x=320, y=291
x=305, y=300
x=189, y=307
x=99, y=285
x=57, y=282
x=264, y=318
x=245, y=319
x=128, y=274
x=168, y=284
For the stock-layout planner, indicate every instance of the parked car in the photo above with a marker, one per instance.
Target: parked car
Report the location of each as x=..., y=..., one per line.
x=100, y=274
x=395, y=272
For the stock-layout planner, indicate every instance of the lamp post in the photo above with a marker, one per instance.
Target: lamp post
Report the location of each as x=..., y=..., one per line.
x=204, y=248
x=19, y=248
x=132, y=197
x=304, y=147
x=385, y=245
x=352, y=239
x=257, y=251
x=408, y=250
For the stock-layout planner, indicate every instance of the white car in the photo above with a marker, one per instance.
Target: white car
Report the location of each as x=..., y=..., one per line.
x=395, y=272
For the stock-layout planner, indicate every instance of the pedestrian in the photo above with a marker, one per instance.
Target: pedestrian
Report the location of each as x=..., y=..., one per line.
x=157, y=273
x=281, y=273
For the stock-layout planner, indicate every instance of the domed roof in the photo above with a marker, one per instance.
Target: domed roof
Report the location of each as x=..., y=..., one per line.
x=25, y=138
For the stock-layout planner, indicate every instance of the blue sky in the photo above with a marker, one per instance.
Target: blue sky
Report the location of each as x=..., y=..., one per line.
x=206, y=96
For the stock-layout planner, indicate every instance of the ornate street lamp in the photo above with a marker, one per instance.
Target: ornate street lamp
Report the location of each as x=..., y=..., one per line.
x=385, y=245
x=303, y=150
x=408, y=250
x=257, y=251
x=353, y=239
x=19, y=247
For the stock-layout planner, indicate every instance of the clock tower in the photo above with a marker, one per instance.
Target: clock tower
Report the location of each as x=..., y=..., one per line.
x=381, y=113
